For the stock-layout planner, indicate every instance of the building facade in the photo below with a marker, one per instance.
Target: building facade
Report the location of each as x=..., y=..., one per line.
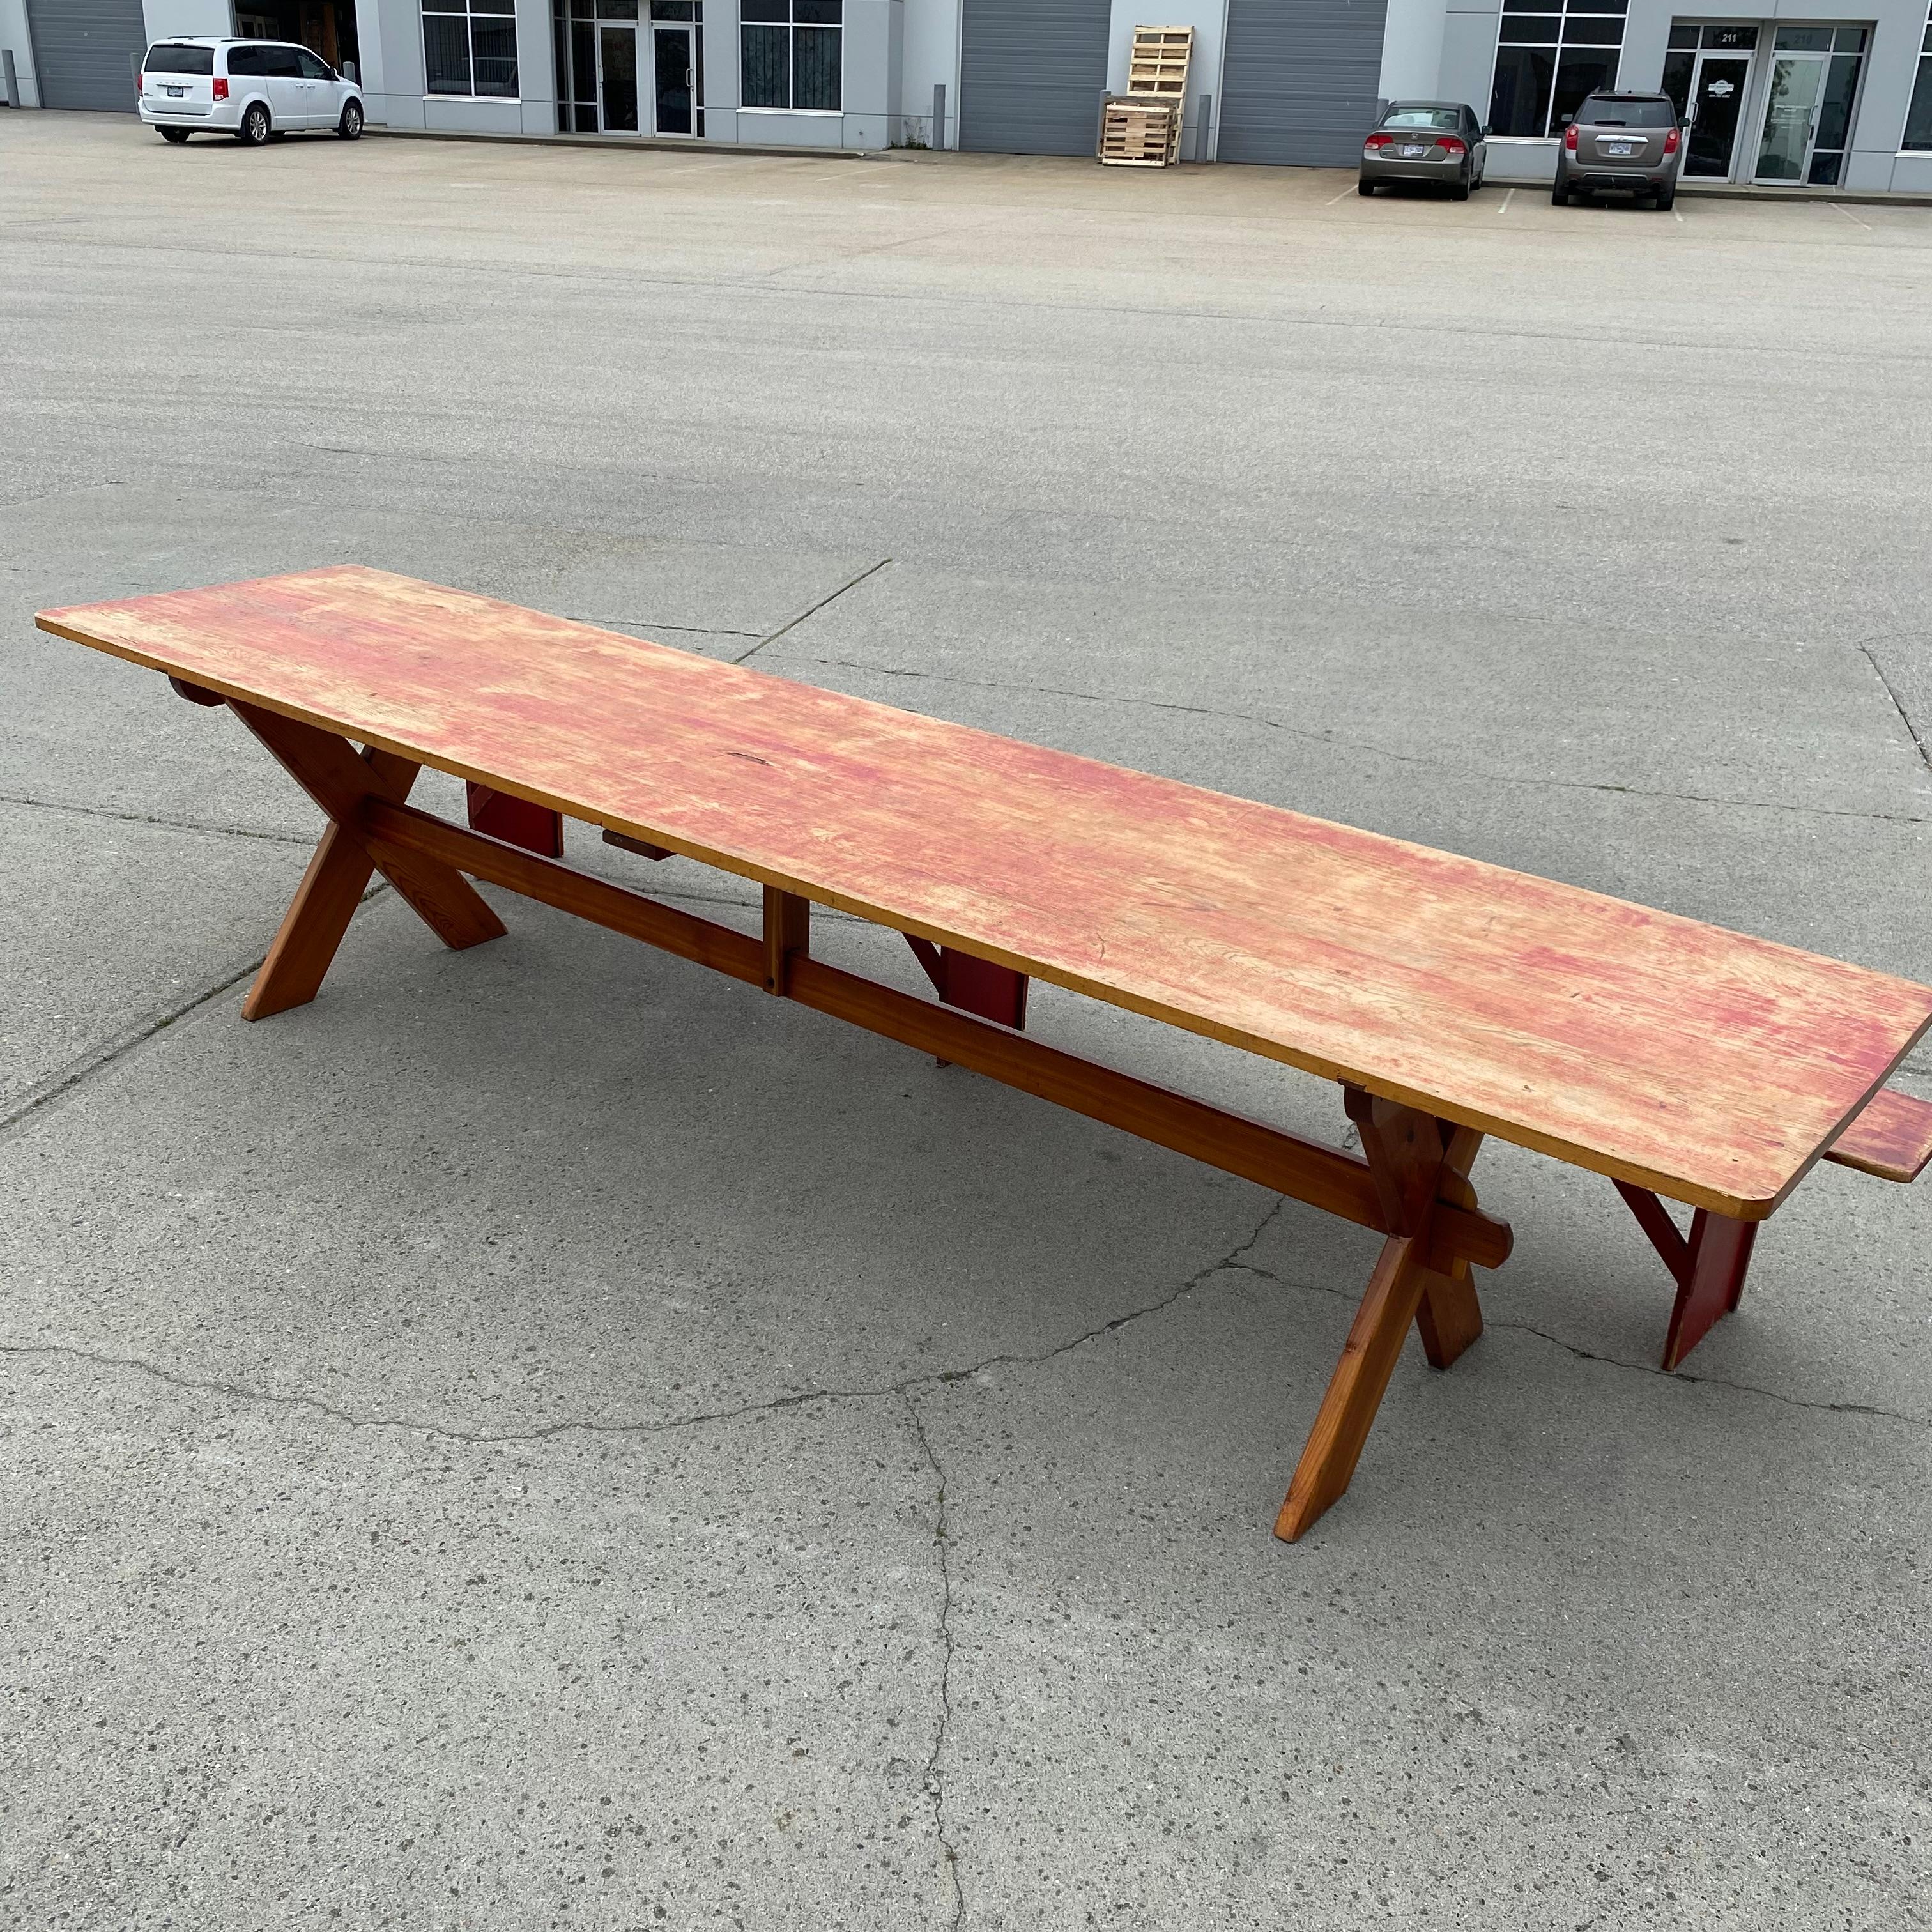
x=1786, y=93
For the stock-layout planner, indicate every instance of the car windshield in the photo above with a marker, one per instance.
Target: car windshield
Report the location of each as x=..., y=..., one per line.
x=1627, y=114
x=1421, y=117
x=179, y=60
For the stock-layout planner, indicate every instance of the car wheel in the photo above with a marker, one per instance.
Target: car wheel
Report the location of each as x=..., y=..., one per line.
x=175, y=136
x=1560, y=195
x=1460, y=192
x=1664, y=200
x=254, y=128
x=1365, y=187
x=350, y=126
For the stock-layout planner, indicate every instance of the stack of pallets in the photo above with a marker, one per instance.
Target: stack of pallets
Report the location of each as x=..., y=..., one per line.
x=1141, y=127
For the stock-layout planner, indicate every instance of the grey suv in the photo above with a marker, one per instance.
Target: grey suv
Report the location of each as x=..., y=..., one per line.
x=1631, y=141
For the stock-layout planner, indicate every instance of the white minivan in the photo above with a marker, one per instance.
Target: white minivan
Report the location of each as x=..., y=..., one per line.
x=249, y=88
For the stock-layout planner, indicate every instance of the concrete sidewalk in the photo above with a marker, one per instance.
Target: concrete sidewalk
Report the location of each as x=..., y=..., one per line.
x=547, y=1437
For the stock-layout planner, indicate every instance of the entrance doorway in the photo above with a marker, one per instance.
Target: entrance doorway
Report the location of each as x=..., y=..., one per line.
x=1808, y=113
x=617, y=78
x=1707, y=73
x=678, y=50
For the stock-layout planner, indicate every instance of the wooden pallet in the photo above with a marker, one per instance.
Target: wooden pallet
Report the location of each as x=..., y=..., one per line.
x=1158, y=65
x=1141, y=128
x=1138, y=133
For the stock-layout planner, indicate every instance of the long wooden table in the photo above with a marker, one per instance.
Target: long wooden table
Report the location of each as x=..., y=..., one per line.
x=1451, y=999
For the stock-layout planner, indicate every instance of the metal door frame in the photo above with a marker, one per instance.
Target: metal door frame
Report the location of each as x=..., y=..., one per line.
x=694, y=30
x=638, y=80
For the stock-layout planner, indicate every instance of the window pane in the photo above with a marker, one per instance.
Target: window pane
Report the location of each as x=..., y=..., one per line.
x=670, y=10
x=1605, y=110
x=1744, y=38
x=1918, y=115
x=817, y=13
x=245, y=61
x=496, y=56
x=1586, y=32
x=1678, y=69
x=493, y=6
x=1578, y=77
x=616, y=10
x=1519, y=100
x=764, y=9
x=814, y=53
x=1422, y=117
x=445, y=54
x=281, y=62
x=179, y=60
x=1803, y=40
x=763, y=64
x=1834, y=110
x=1684, y=36
x=1539, y=29
x=1849, y=39
x=312, y=67
x=1528, y=6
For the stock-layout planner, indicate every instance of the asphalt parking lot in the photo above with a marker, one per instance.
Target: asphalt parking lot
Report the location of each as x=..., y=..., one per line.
x=544, y=1437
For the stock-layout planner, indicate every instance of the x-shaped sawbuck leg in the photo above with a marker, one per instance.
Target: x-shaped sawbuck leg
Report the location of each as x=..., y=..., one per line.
x=1418, y=1162
x=328, y=768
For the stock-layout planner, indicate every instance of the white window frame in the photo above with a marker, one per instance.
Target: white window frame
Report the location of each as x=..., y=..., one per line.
x=791, y=28
x=1557, y=49
x=447, y=10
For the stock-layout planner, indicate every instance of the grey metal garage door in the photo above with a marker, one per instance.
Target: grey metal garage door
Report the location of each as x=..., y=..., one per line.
x=1298, y=84
x=82, y=49
x=1031, y=73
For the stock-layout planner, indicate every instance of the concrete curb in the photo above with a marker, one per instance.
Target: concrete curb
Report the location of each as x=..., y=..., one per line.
x=1866, y=198
x=603, y=144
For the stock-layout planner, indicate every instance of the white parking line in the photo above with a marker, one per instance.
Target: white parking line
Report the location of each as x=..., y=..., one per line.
x=1850, y=217
x=1334, y=198
x=1506, y=199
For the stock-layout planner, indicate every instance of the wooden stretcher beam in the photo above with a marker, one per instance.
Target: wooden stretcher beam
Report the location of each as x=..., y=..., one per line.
x=1326, y=1177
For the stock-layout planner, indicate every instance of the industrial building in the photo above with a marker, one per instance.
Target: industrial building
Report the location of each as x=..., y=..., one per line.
x=1823, y=94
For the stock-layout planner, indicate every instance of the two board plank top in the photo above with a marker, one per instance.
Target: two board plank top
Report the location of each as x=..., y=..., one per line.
x=1710, y=1066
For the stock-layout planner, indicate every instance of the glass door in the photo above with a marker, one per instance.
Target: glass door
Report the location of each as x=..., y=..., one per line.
x=1790, y=116
x=1707, y=73
x=617, y=78
x=676, y=80
x=1717, y=101
x=1808, y=116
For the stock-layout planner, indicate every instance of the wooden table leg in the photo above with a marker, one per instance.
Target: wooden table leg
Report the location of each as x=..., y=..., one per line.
x=1709, y=1267
x=328, y=768
x=1414, y=1169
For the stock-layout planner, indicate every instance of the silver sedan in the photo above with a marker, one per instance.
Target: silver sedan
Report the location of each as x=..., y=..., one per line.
x=1435, y=141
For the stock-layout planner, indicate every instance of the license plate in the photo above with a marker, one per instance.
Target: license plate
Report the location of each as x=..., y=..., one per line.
x=1411, y=153
x=1619, y=148
x=177, y=94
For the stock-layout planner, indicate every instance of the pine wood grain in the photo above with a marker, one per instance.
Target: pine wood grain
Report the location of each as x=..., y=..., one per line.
x=1892, y=1138
x=1710, y=1066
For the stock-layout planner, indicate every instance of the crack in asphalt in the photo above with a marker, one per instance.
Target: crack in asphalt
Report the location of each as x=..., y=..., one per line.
x=548, y=1432
x=1646, y=1368
x=1897, y=703
x=1337, y=741
x=933, y=1781
x=164, y=820
x=97, y=1060
x=870, y=570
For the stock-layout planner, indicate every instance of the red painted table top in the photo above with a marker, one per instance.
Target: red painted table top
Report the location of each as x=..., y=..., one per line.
x=1712, y=1067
